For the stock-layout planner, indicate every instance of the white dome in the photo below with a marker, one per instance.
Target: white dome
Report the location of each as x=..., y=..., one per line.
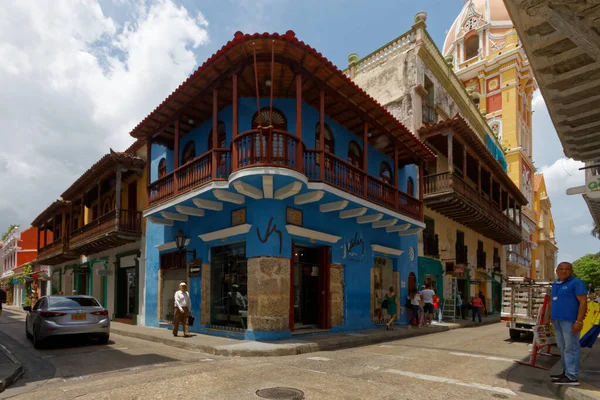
x=477, y=13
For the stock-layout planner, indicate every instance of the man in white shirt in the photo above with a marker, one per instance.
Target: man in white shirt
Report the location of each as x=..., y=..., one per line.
x=183, y=306
x=427, y=296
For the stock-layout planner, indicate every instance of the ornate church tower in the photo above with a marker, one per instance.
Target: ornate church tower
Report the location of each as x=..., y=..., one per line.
x=492, y=64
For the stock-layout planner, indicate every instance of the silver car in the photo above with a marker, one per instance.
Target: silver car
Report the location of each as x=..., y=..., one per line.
x=66, y=315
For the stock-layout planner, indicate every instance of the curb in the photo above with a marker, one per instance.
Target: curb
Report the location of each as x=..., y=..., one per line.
x=285, y=348
x=5, y=382
x=583, y=392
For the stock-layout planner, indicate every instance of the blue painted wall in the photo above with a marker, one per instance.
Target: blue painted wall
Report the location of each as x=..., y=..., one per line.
x=310, y=118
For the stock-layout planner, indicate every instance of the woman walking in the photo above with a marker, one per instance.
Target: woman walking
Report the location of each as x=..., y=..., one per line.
x=415, y=302
x=393, y=304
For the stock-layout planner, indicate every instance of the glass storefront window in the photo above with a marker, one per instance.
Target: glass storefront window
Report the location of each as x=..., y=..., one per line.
x=228, y=286
x=383, y=277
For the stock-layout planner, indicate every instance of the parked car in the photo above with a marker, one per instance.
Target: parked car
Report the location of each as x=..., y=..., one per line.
x=53, y=316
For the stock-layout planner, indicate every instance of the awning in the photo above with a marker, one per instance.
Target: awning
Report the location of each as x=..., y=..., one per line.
x=483, y=275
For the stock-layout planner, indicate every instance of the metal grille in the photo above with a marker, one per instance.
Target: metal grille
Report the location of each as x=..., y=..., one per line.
x=280, y=393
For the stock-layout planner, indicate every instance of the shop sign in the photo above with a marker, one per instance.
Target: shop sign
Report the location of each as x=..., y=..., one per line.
x=459, y=270
x=354, y=247
x=293, y=216
x=104, y=272
x=195, y=272
x=238, y=217
x=475, y=282
x=592, y=185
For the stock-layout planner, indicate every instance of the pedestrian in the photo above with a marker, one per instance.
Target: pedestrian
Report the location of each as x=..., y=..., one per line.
x=408, y=305
x=182, y=310
x=421, y=308
x=393, y=304
x=437, y=308
x=415, y=302
x=427, y=296
x=476, y=307
x=567, y=311
x=74, y=292
x=482, y=297
x=460, y=309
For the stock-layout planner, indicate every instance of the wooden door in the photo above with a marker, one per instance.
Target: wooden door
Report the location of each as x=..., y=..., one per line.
x=324, y=285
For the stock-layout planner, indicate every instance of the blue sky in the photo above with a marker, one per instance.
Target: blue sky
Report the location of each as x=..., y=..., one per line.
x=81, y=74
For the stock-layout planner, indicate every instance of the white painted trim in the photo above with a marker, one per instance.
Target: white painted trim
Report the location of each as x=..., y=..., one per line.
x=174, y=216
x=355, y=212
x=161, y=221
x=386, y=250
x=335, y=206
x=190, y=195
x=248, y=190
x=208, y=204
x=267, y=171
x=362, y=202
x=169, y=245
x=397, y=228
x=310, y=234
x=193, y=211
x=309, y=197
x=225, y=233
x=230, y=197
x=410, y=232
x=384, y=224
x=288, y=190
x=369, y=218
x=268, y=186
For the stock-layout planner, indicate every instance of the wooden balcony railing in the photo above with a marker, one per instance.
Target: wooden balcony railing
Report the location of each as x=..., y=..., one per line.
x=446, y=183
x=267, y=147
x=129, y=222
x=57, y=246
x=430, y=114
x=272, y=147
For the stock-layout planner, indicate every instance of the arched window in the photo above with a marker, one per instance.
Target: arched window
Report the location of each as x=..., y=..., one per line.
x=410, y=186
x=189, y=152
x=221, y=136
x=329, y=143
x=472, y=47
x=162, y=168
x=355, y=155
x=385, y=173
x=264, y=117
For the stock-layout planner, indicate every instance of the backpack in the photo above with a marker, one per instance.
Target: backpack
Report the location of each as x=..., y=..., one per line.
x=384, y=304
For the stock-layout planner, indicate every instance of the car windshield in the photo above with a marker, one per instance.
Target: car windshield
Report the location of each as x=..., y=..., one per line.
x=68, y=302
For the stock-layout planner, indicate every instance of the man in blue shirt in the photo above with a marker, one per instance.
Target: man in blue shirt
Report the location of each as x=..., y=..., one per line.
x=567, y=310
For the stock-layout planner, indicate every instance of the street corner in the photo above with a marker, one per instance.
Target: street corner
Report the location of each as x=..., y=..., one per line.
x=10, y=368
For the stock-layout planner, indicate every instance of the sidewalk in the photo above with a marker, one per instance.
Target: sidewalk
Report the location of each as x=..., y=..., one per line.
x=10, y=368
x=589, y=376
x=300, y=344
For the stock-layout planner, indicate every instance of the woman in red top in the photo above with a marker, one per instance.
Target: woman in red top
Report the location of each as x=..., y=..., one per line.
x=436, y=307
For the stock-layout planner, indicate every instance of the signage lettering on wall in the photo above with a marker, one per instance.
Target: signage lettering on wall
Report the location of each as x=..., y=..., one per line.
x=354, y=247
x=271, y=228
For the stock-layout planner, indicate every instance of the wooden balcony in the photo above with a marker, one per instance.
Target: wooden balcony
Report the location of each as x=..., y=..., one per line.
x=276, y=148
x=451, y=196
x=106, y=232
x=56, y=252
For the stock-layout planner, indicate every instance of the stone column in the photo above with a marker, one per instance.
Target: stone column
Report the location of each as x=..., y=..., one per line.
x=205, y=293
x=336, y=291
x=268, y=298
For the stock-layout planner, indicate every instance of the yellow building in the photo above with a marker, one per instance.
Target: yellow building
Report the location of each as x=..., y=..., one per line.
x=491, y=63
x=544, y=256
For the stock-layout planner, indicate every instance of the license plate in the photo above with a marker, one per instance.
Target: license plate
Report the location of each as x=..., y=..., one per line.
x=78, y=317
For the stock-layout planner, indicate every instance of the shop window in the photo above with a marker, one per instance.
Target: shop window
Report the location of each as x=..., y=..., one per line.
x=385, y=173
x=162, y=168
x=221, y=136
x=472, y=47
x=189, y=152
x=383, y=279
x=228, y=287
x=410, y=186
x=355, y=155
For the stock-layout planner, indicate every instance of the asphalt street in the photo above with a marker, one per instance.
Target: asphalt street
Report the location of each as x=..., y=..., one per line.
x=469, y=363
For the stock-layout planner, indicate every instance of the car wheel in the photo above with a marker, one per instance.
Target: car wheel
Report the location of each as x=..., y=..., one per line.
x=103, y=339
x=515, y=334
x=37, y=342
x=29, y=336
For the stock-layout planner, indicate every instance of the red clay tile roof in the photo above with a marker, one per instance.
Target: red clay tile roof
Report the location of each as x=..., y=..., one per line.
x=172, y=104
x=99, y=169
x=49, y=212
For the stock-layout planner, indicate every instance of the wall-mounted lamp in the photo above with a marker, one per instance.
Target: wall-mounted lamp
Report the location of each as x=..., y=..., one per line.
x=180, y=240
x=268, y=82
x=191, y=121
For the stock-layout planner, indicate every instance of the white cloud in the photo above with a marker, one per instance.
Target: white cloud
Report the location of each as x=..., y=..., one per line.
x=581, y=229
x=75, y=82
x=564, y=173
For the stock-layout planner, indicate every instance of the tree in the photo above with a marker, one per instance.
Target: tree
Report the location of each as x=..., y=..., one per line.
x=587, y=268
x=10, y=228
x=596, y=231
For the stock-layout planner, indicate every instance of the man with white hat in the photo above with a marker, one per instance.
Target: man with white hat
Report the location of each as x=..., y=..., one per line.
x=183, y=307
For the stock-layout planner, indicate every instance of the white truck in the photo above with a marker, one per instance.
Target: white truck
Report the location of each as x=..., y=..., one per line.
x=522, y=299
